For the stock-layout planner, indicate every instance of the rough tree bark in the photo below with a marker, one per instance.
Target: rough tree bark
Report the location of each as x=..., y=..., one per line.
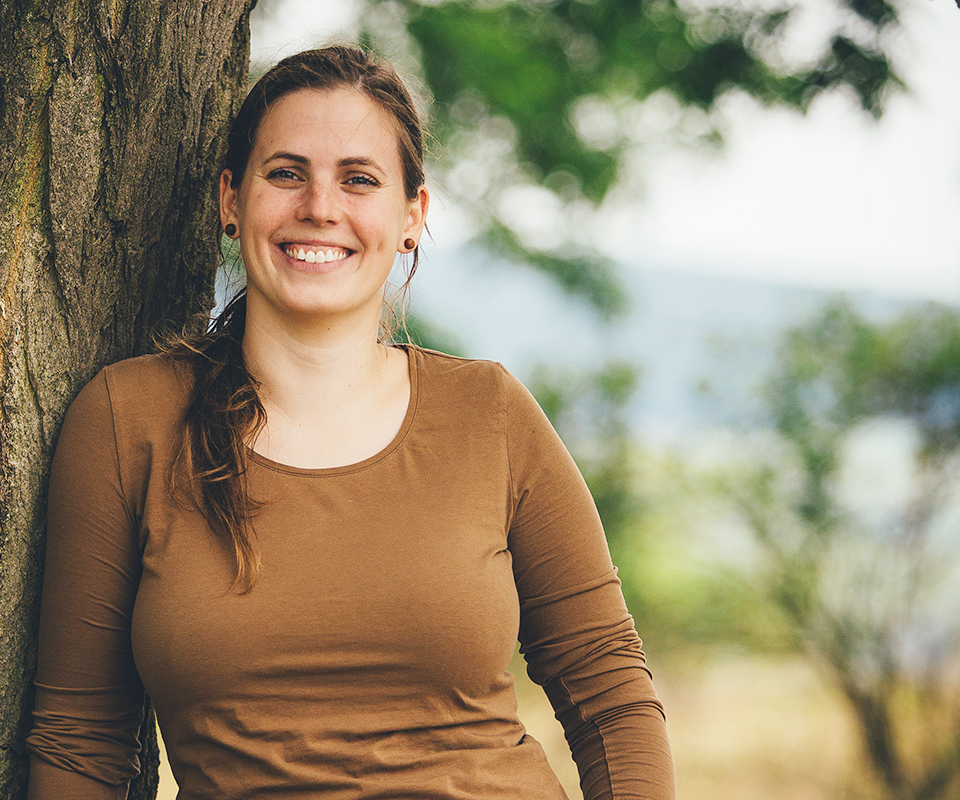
x=112, y=115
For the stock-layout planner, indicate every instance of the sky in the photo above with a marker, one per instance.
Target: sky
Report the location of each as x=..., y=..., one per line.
x=829, y=200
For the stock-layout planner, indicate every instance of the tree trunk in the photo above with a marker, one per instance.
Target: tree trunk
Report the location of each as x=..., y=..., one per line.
x=112, y=118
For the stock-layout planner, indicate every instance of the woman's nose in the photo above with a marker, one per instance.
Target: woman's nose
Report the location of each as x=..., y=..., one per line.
x=320, y=203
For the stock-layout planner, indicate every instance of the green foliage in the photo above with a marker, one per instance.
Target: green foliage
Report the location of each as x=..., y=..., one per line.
x=531, y=62
x=590, y=413
x=545, y=93
x=862, y=588
x=866, y=70
x=681, y=604
x=842, y=370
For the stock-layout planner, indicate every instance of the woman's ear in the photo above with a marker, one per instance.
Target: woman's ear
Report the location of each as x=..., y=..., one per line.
x=229, y=201
x=417, y=216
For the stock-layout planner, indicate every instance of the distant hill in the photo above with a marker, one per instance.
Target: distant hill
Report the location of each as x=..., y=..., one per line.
x=703, y=343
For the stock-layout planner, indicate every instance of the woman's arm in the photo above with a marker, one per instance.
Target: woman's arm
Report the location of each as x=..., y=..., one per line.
x=89, y=697
x=576, y=634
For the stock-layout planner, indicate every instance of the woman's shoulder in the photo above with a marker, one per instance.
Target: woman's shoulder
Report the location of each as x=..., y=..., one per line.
x=152, y=381
x=147, y=392
x=460, y=371
x=472, y=382
x=466, y=382
x=440, y=362
x=132, y=411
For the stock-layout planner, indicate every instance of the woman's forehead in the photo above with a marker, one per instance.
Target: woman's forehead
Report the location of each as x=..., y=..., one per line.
x=318, y=120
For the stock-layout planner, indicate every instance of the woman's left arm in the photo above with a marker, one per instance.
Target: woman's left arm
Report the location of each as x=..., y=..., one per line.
x=576, y=634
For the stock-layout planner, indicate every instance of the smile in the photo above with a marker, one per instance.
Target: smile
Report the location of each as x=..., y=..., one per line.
x=315, y=255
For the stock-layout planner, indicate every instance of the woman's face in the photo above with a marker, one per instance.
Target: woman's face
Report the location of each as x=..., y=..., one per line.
x=321, y=209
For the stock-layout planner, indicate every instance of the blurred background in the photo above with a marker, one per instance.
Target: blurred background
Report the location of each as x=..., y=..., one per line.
x=720, y=244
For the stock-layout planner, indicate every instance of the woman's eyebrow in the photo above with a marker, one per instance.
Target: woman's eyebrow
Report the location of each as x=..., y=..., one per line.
x=349, y=161
x=281, y=156
x=359, y=161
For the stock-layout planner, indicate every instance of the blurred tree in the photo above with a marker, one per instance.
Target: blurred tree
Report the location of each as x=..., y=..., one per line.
x=684, y=609
x=590, y=412
x=538, y=102
x=864, y=566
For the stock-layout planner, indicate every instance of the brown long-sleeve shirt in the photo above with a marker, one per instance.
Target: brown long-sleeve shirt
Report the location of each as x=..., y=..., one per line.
x=369, y=660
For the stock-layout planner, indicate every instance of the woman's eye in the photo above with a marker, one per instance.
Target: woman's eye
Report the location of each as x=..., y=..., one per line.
x=361, y=180
x=283, y=174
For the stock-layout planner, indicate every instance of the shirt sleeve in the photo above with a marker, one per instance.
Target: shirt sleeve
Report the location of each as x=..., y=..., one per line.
x=575, y=632
x=89, y=698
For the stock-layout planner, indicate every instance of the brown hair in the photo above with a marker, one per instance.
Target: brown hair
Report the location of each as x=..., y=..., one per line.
x=224, y=410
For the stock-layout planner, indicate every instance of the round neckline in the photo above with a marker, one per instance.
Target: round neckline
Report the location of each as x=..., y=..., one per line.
x=413, y=366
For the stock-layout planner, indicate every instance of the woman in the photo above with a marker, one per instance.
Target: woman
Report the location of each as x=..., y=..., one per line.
x=315, y=550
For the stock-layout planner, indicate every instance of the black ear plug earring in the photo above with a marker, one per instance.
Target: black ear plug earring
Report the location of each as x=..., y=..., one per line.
x=230, y=229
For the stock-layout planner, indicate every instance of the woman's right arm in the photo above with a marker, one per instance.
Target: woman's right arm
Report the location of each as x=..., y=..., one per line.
x=89, y=702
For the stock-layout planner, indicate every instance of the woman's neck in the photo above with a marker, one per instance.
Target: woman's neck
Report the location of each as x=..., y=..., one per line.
x=293, y=361
x=332, y=394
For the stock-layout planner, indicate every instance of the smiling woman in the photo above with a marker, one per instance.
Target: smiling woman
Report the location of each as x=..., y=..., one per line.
x=315, y=549
x=324, y=179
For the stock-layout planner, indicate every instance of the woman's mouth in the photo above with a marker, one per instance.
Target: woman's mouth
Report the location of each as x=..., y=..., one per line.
x=315, y=255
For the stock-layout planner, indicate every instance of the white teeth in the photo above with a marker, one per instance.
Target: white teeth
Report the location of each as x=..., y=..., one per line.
x=318, y=257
